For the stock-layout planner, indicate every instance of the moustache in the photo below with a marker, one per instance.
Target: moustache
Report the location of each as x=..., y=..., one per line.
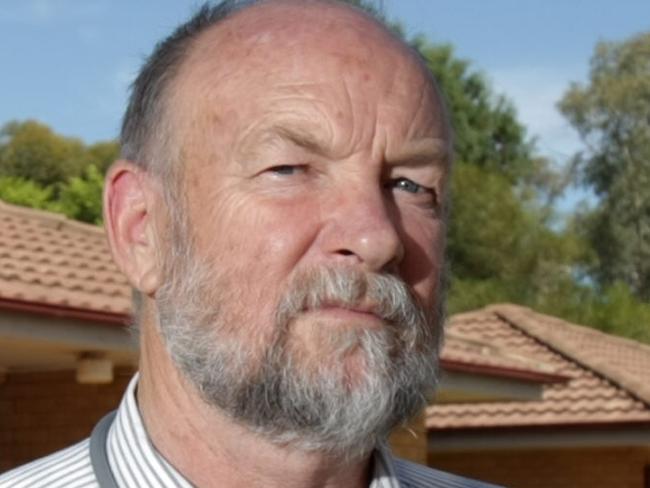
x=383, y=295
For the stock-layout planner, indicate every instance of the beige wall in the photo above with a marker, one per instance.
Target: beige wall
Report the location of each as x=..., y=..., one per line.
x=43, y=412
x=410, y=442
x=551, y=468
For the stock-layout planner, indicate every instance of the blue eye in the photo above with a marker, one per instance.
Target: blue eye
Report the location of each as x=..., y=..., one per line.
x=284, y=169
x=407, y=185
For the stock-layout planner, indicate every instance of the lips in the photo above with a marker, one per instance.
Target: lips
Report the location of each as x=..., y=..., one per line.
x=361, y=308
x=348, y=314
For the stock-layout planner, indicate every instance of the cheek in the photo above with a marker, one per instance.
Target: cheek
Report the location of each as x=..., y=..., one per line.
x=284, y=232
x=423, y=263
x=263, y=239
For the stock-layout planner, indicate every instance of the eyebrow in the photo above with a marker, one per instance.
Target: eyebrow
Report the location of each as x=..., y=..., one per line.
x=413, y=153
x=300, y=138
x=420, y=151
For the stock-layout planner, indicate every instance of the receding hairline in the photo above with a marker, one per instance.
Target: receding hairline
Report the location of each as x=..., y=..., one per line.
x=161, y=126
x=243, y=18
x=247, y=25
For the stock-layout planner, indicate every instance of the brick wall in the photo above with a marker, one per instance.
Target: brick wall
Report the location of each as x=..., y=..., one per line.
x=551, y=468
x=43, y=412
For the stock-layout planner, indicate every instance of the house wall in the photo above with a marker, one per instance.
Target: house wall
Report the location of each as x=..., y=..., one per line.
x=410, y=442
x=620, y=467
x=43, y=412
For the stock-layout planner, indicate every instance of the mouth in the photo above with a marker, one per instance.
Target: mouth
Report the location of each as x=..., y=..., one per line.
x=351, y=314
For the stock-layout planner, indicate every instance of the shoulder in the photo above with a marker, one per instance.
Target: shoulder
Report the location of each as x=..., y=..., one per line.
x=69, y=468
x=411, y=475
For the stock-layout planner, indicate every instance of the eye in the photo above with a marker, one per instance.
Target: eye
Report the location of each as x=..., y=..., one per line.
x=414, y=192
x=284, y=169
x=408, y=186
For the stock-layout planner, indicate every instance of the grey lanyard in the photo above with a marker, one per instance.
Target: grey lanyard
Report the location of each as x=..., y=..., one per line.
x=98, y=454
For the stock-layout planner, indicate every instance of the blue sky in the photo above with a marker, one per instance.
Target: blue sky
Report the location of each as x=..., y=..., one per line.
x=68, y=63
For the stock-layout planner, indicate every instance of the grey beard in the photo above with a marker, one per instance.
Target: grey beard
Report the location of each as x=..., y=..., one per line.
x=277, y=392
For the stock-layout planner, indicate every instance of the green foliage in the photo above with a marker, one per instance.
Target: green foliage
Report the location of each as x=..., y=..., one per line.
x=81, y=197
x=34, y=152
x=41, y=169
x=485, y=228
x=614, y=310
x=24, y=192
x=486, y=130
x=617, y=311
x=611, y=114
x=102, y=154
x=499, y=248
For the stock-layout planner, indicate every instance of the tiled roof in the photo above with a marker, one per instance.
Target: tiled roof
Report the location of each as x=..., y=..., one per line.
x=464, y=352
x=608, y=375
x=51, y=261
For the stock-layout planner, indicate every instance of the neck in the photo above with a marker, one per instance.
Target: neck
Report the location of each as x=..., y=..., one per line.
x=209, y=449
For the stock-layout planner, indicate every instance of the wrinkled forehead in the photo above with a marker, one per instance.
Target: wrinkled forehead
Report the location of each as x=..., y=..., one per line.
x=273, y=50
x=300, y=40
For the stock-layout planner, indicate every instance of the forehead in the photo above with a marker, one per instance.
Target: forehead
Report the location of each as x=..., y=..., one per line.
x=285, y=25
x=288, y=49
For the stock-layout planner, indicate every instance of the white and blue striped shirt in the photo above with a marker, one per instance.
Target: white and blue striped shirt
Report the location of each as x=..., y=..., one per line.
x=135, y=462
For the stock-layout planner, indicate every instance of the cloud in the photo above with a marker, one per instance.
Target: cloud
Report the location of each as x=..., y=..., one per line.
x=535, y=91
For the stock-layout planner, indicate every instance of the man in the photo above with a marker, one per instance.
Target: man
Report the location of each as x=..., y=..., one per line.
x=280, y=210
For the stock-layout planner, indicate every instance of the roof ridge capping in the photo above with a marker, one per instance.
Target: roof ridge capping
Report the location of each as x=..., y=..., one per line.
x=537, y=325
x=49, y=219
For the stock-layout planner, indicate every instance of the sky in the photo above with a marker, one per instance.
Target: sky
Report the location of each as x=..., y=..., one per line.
x=69, y=63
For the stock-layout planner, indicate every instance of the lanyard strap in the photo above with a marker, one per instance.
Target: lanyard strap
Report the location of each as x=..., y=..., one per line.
x=98, y=454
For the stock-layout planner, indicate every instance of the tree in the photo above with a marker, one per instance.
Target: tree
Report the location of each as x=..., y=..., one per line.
x=24, y=192
x=500, y=248
x=486, y=130
x=81, y=197
x=42, y=169
x=610, y=113
x=102, y=154
x=32, y=151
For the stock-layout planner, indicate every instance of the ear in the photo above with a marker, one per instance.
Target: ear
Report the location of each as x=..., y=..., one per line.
x=129, y=201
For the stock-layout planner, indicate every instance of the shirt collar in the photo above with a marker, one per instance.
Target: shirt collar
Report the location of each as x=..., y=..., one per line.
x=136, y=462
x=132, y=457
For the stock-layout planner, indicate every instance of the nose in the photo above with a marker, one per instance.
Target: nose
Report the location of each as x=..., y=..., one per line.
x=362, y=228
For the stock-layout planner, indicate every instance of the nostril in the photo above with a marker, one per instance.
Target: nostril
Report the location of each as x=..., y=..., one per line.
x=345, y=252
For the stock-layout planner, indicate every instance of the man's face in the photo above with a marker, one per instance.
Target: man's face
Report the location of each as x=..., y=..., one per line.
x=309, y=154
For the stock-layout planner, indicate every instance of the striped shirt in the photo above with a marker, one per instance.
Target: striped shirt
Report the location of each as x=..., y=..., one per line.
x=135, y=462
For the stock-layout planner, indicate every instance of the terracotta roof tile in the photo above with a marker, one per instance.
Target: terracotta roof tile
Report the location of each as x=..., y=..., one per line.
x=607, y=375
x=48, y=259
x=622, y=361
x=462, y=348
